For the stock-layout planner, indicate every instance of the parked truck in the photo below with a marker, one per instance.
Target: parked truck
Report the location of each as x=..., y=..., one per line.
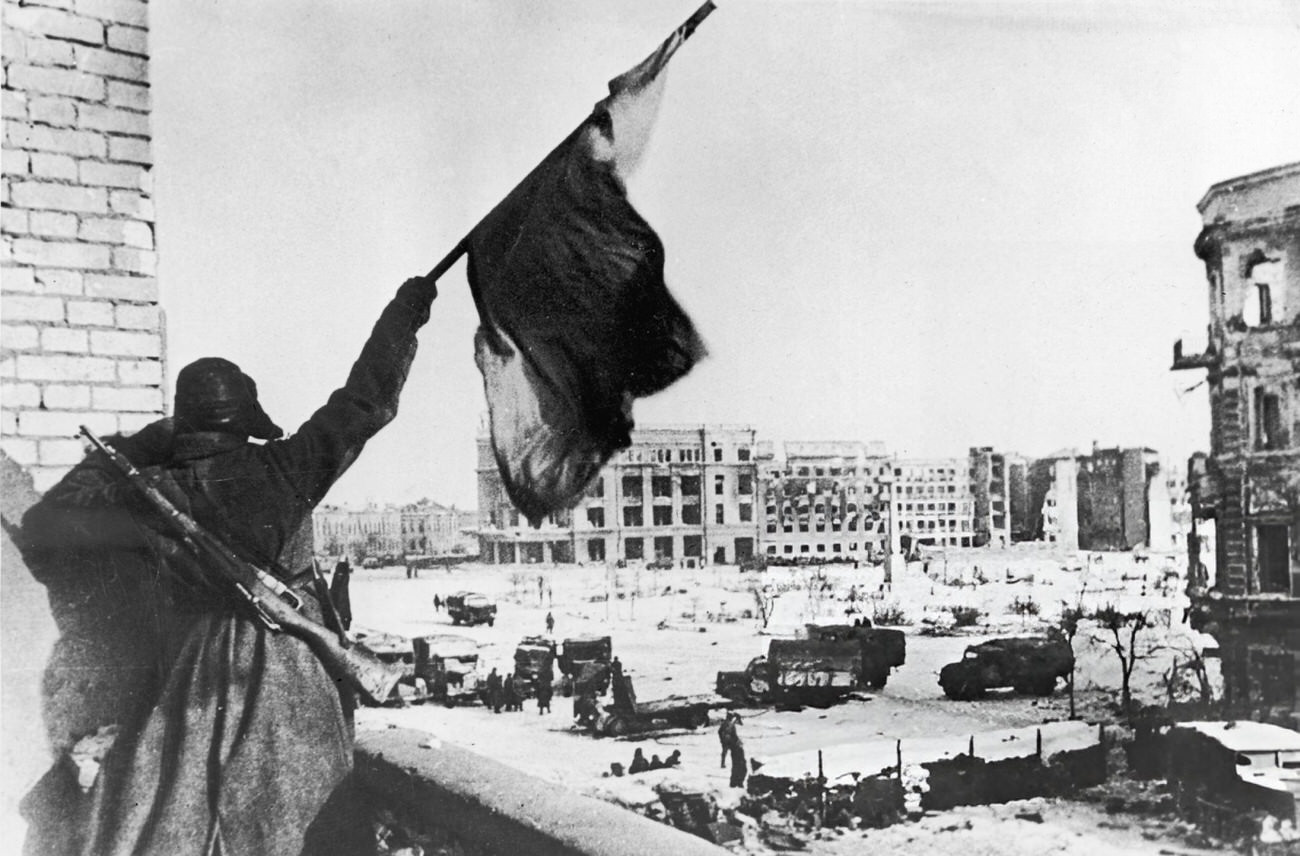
x=449, y=665
x=470, y=608
x=796, y=672
x=1029, y=665
x=883, y=649
x=534, y=663
x=584, y=662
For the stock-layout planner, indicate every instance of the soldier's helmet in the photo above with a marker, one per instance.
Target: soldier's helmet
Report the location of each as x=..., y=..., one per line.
x=212, y=394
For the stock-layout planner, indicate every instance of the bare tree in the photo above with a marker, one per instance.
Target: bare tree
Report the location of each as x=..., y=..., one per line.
x=1068, y=625
x=1120, y=631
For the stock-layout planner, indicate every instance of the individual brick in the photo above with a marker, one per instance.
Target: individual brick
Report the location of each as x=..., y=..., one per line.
x=141, y=289
x=53, y=224
x=21, y=307
x=14, y=221
x=140, y=372
x=135, y=261
x=24, y=135
x=136, y=317
x=66, y=396
x=132, y=96
x=19, y=279
x=21, y=337
x=130, y=150
x=122, y=66
x=63, y=254
x=50, y=52
x=60, y=197
x=95, y=173
x=90, y=313
x=133, y=12
x=61, y=452
x=47, y=165
x=54, y=281
x=23, y=451
x=129, y=39
x=57, y=81
x=66, y=340
x=125, y=344
x=107, y=231
x=136, y=399
x=52, y=110
x=20, y=394
x=113, y=119
x=131, y=203
x=63, y=367
x=55, y=22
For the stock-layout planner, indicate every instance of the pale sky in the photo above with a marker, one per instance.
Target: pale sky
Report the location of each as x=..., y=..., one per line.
x=932, y=224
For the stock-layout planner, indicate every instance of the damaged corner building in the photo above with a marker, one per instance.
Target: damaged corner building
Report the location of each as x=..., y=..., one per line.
x=1249, y=483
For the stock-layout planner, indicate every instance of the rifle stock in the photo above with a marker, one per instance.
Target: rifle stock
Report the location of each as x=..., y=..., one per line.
x=356, y=664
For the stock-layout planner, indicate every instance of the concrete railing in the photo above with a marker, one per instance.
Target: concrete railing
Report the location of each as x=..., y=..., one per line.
x=440, y=794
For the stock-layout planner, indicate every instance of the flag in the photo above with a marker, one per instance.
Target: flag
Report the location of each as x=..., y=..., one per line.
x=575, y=318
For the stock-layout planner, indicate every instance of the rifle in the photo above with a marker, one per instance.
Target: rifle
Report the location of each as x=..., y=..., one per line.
x=271, y=602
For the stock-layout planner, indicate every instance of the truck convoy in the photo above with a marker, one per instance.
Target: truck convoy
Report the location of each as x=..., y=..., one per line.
x=470, y=608
x=1027, y=664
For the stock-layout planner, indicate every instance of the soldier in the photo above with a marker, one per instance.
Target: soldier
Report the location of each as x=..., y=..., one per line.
x=227, y=715
x=494, y=691
x=339, y=592
x=727, y=735
x=550, y=623
x=544, y=693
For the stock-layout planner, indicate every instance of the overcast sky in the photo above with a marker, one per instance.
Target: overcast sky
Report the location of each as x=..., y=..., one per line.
x=932, y=224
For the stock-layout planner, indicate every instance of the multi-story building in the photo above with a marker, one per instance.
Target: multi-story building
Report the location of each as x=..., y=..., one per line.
x=424, y=528
x=990, y=495
x=681, y=494
x=932, y=504
x=825, y=501
x=1249, y=484
x=1115, y=488
x=1054, y=498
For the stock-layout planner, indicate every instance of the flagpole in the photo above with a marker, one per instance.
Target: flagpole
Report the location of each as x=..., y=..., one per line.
x=450, y=259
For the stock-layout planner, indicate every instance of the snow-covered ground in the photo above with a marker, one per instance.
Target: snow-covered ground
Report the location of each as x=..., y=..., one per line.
x=674, y=630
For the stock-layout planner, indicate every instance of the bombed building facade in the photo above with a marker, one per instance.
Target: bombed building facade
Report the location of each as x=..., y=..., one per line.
x=684, y=495
x=1249, y=483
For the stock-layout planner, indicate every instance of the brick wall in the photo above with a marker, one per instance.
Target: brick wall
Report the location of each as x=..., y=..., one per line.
x=82, y=330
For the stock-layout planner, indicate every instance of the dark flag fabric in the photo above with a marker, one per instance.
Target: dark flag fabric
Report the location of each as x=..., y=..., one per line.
x=576, y=320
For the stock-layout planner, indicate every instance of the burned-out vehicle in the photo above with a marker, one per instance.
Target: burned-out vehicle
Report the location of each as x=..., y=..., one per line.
x=390, y=647
x=1228, y=775
x=626, y=715
x=584, y=662
x=470, y=608
x=796, y=672
x=534, y=663
x=883, y=649
x=1027, y=664
x=449, y=666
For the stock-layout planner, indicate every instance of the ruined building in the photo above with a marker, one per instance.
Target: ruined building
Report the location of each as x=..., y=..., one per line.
x=684, y=495
x=1249, y=483
x=825, y=500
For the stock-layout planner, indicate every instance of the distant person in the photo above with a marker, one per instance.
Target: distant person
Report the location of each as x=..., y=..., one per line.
x=656, y=763
x=437, y=603
x=339, y=593
x=738, y=770
x=639, y=763
x=550, y=623
x=727, y=735
x=585, y=710
x=494, y=691
x=674, y=760
x=544, y=693
x=511, y=693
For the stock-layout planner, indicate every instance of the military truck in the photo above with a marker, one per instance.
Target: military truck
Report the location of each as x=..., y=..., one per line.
x=883, y=649
x=629, y=716
x=534, y=662
x=1029, y=665
x=584, y=662
x=470, y=608
x=449, y=665
x=796, y=672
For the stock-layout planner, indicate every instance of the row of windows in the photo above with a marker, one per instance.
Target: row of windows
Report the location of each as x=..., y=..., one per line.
x=681, y=455
x=835, y=526
x=790, y=472
x=919, y=525
x=662, y=515
x=791, y=549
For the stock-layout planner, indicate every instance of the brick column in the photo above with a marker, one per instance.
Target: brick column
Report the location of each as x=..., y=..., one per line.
x=82, y=329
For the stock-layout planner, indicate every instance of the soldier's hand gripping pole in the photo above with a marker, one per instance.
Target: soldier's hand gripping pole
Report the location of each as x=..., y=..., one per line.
x=273, y=603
